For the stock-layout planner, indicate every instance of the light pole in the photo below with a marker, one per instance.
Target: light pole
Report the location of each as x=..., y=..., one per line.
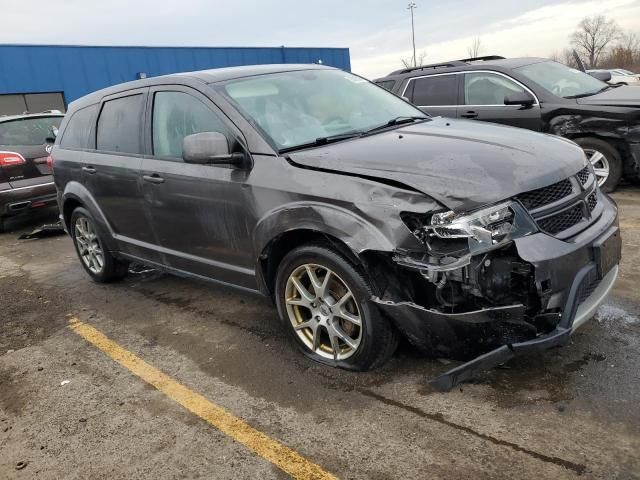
x=411, y=6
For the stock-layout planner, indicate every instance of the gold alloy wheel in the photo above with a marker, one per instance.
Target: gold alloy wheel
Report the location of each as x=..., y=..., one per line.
x=323, y=312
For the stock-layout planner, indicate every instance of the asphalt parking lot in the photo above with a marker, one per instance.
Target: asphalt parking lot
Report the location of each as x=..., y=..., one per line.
x=81, y=395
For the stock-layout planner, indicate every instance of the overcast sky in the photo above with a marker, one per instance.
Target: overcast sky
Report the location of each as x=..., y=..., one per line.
x=378, y=32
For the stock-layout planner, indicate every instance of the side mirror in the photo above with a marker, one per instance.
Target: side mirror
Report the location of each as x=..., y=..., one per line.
x=519, y=98
x=209, y=148
x=601, y=75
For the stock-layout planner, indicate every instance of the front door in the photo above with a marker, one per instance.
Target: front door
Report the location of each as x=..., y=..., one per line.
x=483, y=99
x=199, y=212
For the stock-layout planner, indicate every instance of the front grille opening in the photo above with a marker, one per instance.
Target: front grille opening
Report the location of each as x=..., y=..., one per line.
x=584, y=175
x=543, y=196
x=563, y=220
x=592, y=201
x=588, y=286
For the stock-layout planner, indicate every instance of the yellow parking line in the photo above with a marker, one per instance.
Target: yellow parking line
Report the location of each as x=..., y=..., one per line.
x=280, y=455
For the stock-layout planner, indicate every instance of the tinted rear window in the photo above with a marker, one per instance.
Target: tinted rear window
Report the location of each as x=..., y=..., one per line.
x=434, y=91
x=28, y=131
x=120, y=125
x=78, y=129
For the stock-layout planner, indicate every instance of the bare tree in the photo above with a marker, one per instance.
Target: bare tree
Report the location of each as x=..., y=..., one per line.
x=593, y=36
x=408, y=62
x=473, y=50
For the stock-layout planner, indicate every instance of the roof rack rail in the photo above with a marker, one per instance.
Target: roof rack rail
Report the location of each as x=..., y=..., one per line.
x=453, y=63
x=483, y=59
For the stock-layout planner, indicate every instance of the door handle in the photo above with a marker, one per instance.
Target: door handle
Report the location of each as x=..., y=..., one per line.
x=89, y=170
x=155, y=178
x=470, y=114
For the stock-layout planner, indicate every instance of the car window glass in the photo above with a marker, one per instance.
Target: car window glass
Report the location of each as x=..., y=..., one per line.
x=177, y=115
x=28, y=131
x=120, y=125
x=561, y=80
x=387, y=84
x=483, y=88
x=434, y=91
x=76, y=133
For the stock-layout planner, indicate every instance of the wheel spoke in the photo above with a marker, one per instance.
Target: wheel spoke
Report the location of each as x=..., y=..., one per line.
x=335, y=344
x=303, y=325
x=315, y=281
x=302, y=290
x=337, y=333
x=316, y=338
x=596, y=157
x=601, y=172
x=349, y=317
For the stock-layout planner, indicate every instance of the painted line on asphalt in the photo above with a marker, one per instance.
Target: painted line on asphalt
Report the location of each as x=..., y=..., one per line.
x=275, y=452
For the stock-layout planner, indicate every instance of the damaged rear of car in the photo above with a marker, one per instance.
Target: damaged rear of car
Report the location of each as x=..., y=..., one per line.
x=359, y=215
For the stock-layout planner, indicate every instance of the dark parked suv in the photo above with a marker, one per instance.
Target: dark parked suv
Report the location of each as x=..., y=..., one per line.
x=360, y=216
x=537, y=94
x=25, y=177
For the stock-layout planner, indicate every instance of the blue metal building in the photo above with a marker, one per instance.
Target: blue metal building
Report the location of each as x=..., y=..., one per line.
x=42, y=77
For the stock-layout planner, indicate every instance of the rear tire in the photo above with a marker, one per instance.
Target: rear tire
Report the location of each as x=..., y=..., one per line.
x=333, y=322
x=95, y=258
x=2, y=225
x=606, y=161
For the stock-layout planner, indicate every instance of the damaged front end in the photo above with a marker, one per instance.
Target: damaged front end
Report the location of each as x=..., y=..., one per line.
x=507, y=279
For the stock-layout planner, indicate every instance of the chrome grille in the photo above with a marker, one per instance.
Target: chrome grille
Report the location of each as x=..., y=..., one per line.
x=563, y=220
x=543, y=196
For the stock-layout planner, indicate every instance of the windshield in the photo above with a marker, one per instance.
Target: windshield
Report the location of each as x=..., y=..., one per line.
x=561, y=80
x=297, y=108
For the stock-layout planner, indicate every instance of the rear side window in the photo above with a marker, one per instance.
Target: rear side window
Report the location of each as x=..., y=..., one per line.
x=28, y=131
x=120, y=125
x=176, y=115
x=386, y=84
x=434, y=91
x=77, y=132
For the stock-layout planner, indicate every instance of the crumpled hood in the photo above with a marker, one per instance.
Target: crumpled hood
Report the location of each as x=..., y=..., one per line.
x=463, y=164
x=624, y=96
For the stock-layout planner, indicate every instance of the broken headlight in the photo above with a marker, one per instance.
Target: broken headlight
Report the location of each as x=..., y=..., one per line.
x=485, y=229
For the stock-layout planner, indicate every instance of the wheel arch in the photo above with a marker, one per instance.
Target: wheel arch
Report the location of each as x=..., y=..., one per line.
x=288, y=227
x=76, y=195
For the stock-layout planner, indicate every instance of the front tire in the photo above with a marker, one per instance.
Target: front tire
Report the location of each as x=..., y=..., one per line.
x=324, y=301
x=606, y=162
x=97, y=261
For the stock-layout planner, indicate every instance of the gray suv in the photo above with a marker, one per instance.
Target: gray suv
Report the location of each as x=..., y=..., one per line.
x=360, y=216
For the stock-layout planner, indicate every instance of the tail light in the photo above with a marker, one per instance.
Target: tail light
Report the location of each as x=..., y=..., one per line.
x=9, y=159
x=50, y=162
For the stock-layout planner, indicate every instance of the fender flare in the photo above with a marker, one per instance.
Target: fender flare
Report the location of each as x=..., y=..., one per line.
x=355, y=231
x=76, y=191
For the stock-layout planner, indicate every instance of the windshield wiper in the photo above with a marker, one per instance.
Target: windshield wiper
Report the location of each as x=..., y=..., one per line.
x=395, y=121
x=323, y=141
x=582, y=95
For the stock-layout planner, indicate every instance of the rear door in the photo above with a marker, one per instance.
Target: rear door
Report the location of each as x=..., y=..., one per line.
x=111, y=172
x=28, y=137
x=436, y=95
x=199, y=212
x=483, y=95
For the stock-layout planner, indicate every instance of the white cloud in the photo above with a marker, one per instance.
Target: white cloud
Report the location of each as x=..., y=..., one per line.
x=539, y=32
